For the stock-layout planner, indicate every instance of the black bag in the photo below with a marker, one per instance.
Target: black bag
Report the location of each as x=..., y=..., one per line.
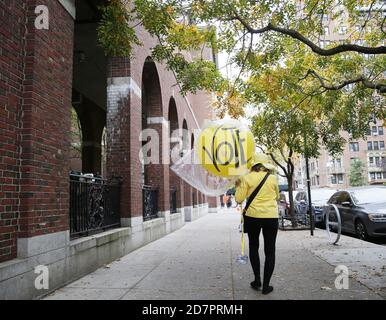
x=251, y=197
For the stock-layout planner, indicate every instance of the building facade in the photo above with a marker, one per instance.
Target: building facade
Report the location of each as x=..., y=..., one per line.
x=334, y=172
x=72, y=200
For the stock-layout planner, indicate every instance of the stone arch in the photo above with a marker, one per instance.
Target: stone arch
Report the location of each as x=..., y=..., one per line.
x=186, y=146
x=151, y=92
x=194, y=192
x=153, y=171
x=92, y=121
x=176, y=184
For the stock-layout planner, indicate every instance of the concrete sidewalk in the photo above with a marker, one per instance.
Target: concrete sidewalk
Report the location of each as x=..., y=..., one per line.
x=199, y=262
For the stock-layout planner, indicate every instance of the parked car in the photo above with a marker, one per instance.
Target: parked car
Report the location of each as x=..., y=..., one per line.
x=319, y=198
x=362, y=212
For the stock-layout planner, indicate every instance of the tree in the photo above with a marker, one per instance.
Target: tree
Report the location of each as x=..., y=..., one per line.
x=272, y=43
x=357, y=173
x=257, y=34
x=283, y=134
x=75, y=138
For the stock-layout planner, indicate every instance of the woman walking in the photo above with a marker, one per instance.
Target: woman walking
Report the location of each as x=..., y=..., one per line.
x=261, y=214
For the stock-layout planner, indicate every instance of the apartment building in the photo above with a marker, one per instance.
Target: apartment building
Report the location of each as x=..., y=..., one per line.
x=328, y=171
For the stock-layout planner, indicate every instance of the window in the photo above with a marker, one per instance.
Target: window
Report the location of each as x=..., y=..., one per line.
x=377, y=163
x=369, y=131
x=354, y=146
x=326, y=30
x=380, y=131
x=372, y=175
x=376, y=146
x=374, y=130
x=325, y=17
x=369, y=145
x=382, y=145
x=371, y=161
x=337, y=178
x=342, y=30
x=379, y=175
x=321, y=44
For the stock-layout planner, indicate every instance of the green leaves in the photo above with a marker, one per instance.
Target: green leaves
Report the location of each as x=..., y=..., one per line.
x=357, y=173
x=114, y=33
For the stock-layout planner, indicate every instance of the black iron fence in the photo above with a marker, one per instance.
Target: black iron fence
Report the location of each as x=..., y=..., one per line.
x=94, y=204
x=149, y=202
x=300, y=221
x=173, y=201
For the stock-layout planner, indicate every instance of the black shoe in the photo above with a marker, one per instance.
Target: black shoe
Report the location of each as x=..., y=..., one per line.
x=267, y=290
x=256, y=285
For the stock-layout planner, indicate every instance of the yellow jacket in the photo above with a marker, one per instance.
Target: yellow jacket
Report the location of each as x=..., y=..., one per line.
x=265, y=203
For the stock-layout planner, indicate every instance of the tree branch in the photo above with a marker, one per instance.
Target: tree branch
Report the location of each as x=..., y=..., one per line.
x=315, y=48
x=381, y=87
x=279, y=164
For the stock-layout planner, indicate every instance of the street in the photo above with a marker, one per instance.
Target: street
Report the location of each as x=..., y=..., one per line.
x=199, y=262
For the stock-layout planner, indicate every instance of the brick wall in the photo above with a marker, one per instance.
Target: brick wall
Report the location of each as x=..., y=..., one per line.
x=12, y=15
x=35, y=100
x=45, y=124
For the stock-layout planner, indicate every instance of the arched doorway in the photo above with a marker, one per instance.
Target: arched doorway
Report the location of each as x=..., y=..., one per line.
x=186, y=147
x=75, y=143
x=176, y=186
x=194, y=191
x=153, y=171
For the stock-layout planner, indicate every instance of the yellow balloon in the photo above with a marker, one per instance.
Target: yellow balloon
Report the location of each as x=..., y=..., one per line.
x=225, y=150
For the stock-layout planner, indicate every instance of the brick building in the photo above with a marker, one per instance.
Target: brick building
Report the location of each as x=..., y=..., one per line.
x=44, y=73
x=334, y=172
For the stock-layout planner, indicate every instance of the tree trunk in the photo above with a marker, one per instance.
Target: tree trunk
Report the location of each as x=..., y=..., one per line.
x=291, y=201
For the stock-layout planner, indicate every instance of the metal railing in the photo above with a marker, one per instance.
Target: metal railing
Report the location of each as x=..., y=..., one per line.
x=149, y=202
x=333, y=221
x=302, y=221
x=173, y=201
x=94, y=204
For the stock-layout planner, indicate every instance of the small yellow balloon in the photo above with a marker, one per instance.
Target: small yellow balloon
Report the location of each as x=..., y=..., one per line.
x=225, y=150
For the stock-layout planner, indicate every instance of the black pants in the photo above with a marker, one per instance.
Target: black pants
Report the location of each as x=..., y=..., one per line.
x=270, y=227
